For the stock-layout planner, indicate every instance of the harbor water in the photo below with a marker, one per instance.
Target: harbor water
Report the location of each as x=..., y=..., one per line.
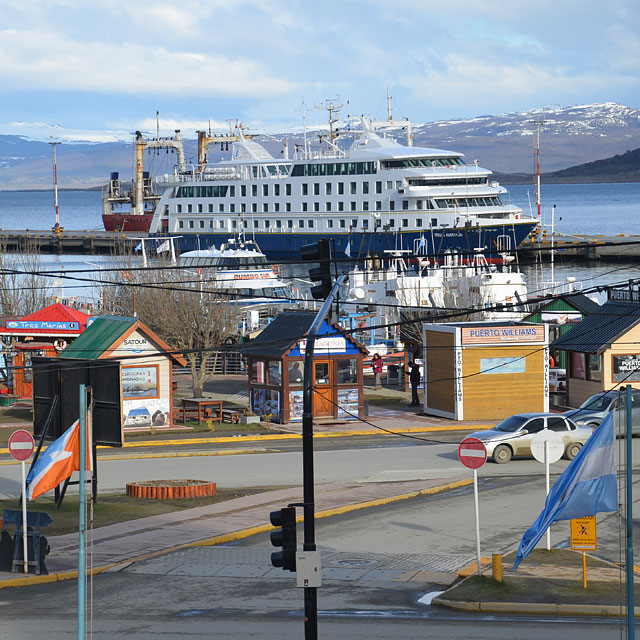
x=594, y=209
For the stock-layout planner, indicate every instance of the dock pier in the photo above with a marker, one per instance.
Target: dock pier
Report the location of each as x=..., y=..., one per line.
x=92, y=242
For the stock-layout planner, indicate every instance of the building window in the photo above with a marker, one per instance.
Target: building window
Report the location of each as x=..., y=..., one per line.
x=220, y=208
x=405, y=222
x=265, y=190
x=211, y=224
x=352, y=206
x=255, y=224
x=289, y=224
x=245, y=224
x=190, y=224
x=221, y=224
x=279, y=224
x=327, y=189
x=179, y=208
x=254, y=207
x=578, y=368
x=418, y=222
x=243, y=190
x=301, y=224
x=232, y=191
x=310, y=224
x=389, y=184
x=327, y=206
x=287, y=189
x=266, y=224
x=189, y=208
x=200, y=209
x=418, y=204
x=254, y=190
x=340, y=188
x=232, y=208
x=343, y=224
x=398, y=184
x=378, y=205
x=392, y=205
x=405, y=205
x=330, y=224
x=354, y=223
x=234, y=224
x=210, y=208
x=276, y=189
x=316, y=188
x=594, y=367
x=316, y=206
x=434, y=222
x=243, y=208
x=304, y=206
x=365, y=188
x=365, y=206
x=392, y=222
x=378, y=187
x=276, y=207
x=202, y=224
x=352, y=188
x=180, y=226
x=287, y=206
x=265, y=208
x=305, y=189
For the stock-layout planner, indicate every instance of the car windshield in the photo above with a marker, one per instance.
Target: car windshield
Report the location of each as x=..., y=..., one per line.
x=597, y=403
x=510, y=424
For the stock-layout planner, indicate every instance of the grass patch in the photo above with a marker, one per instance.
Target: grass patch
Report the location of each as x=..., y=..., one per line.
x=115, y=508
x=387, y=401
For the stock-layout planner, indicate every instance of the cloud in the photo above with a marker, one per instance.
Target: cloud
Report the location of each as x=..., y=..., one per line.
x=49, y=61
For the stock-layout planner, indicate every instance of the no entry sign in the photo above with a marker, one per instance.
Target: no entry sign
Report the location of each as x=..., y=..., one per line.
x=21, y=445
x=472, y=453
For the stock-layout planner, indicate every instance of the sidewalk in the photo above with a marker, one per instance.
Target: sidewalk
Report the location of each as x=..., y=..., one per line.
x=119, y=544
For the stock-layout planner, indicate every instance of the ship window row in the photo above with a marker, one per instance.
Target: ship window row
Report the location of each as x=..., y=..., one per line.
x=493, y=201
x=331, y=223
x=217, y=191
x=425, y=182
x=412, y=163
x=334, y=169
x=353, y=205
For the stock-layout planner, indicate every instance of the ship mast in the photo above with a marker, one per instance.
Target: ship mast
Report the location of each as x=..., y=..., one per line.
x=333, y=107
x=536, y=164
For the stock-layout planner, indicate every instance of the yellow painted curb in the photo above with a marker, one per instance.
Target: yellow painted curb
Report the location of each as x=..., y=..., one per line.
x=472, y=568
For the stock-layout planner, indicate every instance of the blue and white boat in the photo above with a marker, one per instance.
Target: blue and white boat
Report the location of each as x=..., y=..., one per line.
x=375, y=196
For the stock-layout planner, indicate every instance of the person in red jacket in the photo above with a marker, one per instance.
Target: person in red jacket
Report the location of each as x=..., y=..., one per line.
x=376, y=365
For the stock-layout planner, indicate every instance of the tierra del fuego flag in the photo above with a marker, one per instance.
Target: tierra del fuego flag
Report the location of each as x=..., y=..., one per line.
x=60, y=459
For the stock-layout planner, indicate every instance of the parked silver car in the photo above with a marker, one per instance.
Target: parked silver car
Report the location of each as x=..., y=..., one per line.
x=512, y=437
x=596, y=408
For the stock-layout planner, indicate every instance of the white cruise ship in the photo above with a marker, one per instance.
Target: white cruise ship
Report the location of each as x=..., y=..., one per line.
x=375, y=196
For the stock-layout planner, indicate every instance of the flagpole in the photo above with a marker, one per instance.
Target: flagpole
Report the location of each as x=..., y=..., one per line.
x=546, y=464
x=631, y=623
x=475, y=499
x=81, y=513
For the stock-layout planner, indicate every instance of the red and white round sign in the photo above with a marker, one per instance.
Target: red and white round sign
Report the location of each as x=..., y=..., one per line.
x=472, y=453
x=21, y=444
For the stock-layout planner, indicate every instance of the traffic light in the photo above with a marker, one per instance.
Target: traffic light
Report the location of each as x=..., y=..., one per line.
x=319, y=252
x=286, y=538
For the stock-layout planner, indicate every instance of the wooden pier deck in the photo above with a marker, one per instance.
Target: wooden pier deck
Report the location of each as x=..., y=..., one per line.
x=582, y=247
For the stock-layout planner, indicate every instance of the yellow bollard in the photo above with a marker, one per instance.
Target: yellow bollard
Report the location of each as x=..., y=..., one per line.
x=496, y=567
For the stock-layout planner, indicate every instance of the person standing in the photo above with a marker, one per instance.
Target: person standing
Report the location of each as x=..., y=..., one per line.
x=376, y=365
x=414, y=379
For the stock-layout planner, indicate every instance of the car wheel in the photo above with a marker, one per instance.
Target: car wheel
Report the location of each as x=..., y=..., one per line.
x=572, y=450
x=502, y=453
x=593, y=425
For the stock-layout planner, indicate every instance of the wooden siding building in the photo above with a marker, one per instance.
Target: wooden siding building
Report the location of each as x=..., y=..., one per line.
x=485, y=370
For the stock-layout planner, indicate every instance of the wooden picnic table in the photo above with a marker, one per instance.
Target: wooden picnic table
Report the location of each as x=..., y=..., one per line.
x=206, y=408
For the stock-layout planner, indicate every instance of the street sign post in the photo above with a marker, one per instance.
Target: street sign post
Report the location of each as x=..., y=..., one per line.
x=547, y=447
x=473, y=454
x=584, y=538
x=21, y=446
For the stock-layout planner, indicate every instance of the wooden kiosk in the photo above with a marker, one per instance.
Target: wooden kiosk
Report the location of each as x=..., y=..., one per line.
x=485, y=370
x=276, y=371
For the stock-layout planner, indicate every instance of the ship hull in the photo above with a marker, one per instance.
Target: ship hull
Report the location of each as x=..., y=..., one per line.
x=127, y=221
x=286, y=246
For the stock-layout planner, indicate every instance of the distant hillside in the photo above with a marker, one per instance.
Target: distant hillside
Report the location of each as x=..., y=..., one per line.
x=618, y=168
x=574, y=137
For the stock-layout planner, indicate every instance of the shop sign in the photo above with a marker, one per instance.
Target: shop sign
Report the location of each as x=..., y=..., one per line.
x=500, y=335
x=626, y=368
x=42, y=325
x=331, y=344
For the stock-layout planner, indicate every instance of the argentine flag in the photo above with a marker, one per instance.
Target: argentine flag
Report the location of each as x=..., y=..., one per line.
x=587, y=486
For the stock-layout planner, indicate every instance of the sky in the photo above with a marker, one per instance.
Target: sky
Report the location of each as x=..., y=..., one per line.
x=100, y=69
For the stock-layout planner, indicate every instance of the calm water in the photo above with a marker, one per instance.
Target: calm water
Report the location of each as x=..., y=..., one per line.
x=580, y=208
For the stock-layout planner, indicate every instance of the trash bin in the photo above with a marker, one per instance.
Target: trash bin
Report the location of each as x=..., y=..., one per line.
x=393, y=374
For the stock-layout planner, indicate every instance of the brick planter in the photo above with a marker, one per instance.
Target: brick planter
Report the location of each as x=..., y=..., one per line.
x=171, y=489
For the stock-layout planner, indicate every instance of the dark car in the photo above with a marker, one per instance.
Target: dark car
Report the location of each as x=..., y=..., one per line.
x=512, y=436
x=596, y=408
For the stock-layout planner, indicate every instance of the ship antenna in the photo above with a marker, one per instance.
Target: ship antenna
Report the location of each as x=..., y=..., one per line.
x=157, y=125
x=304, y=110
x=333, y=107
x=389, y=115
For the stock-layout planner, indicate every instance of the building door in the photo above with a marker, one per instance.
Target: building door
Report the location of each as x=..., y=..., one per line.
x=322, y=388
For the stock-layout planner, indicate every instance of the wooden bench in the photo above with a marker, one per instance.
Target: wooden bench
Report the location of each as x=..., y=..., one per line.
x=230, y=415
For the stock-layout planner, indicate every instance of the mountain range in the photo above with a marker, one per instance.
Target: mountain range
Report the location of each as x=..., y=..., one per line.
x=572, y=140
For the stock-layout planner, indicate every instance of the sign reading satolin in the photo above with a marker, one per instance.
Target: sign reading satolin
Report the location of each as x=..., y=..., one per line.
x=583, y=534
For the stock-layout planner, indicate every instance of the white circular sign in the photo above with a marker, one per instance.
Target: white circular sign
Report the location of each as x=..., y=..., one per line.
x=549, y=440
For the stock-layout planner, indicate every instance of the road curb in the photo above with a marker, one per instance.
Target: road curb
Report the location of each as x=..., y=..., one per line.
x=608, y=611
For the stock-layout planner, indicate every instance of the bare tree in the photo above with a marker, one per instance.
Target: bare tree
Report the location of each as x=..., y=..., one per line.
x=186, y=309
x=22, y=289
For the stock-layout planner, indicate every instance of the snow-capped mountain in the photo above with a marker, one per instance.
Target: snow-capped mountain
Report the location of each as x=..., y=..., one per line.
x=569, y=136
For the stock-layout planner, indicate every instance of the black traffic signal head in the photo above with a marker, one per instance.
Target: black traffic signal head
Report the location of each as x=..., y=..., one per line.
x=285, y=537
x=319, y=252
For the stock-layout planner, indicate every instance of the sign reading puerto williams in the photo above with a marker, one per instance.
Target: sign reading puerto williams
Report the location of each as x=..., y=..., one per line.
x=501, y=334
x=626, y=368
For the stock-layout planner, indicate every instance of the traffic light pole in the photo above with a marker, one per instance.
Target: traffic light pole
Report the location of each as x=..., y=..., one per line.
x=311, y=593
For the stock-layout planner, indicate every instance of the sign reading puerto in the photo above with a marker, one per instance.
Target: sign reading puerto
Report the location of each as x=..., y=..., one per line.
x=472, y=453
x=21, y=445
